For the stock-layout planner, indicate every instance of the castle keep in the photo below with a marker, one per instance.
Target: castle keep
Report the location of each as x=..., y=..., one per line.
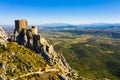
x=21, y=24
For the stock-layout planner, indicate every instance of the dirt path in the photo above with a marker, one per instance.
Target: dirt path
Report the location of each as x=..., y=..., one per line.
x=46, y=72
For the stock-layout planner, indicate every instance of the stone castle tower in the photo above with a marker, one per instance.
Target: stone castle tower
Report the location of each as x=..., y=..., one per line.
x=20, y=30
x=21, y=24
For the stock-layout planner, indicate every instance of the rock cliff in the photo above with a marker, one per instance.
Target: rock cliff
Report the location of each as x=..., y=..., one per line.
x=55, y=59
x=3, y=36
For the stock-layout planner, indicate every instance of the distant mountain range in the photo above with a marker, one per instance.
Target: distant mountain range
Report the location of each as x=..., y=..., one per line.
x=82, y=26
x=66, y=24
x=60, y=26
x=55, y=24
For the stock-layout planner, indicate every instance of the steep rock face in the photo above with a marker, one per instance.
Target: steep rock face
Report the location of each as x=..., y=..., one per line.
x=27, y=38
x=3, y=36
x=20, y=36
x=55, y=58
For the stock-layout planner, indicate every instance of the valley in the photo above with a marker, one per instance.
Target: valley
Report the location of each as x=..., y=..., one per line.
x=94, y=54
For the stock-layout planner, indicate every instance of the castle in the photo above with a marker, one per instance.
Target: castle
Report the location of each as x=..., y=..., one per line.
x=29, y=36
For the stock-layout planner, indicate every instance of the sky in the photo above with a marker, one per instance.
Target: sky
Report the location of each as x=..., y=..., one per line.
x=60, y=11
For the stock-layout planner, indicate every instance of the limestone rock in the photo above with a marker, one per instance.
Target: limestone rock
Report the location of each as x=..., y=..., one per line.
x=3, y=37
x=56, y=59
x=21, y=37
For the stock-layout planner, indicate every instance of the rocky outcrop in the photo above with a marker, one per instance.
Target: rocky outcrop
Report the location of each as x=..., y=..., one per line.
x=3, y=37
x=55, y=59
x=28, y=38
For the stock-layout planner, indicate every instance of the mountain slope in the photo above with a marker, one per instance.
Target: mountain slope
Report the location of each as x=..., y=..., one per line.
x=17, y=60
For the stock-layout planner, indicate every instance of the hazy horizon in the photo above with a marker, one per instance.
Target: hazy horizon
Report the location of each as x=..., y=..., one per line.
x=63, y=24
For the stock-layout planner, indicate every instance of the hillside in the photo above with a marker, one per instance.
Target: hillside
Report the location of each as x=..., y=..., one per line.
x=17, y=60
